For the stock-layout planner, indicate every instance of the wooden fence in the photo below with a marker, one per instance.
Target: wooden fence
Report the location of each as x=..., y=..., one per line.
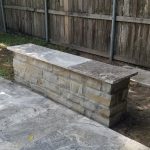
x=2, y=21
x=86, y=25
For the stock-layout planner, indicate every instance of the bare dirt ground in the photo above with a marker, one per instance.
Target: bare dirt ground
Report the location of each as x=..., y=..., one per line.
x=135, y=125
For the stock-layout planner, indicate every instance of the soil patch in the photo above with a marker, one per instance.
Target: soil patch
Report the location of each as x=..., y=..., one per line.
x=136, y=124
x=6, y=59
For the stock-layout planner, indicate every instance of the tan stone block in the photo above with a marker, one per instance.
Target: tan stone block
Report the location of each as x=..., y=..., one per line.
x=93, y=83
x=76, y=88
x=101, y=119
x=72, y=97
x=20, y=80
x=52, y=95
x=51, y=87
x=40, y=64
x=106, y=87
x=111, y=111
x=104, y=112
x=77, y=77
x=19, y=67
x=63, y=82
x=114, y=88
x=32, y=72
x=61, y=71
x=78, y=108
x=88, y=113
x=50, y=76
x=37, y=88
x=87, y=104
x=98, y=96
x=20, y=57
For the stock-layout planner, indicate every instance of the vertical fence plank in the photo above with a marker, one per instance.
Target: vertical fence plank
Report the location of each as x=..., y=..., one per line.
x=66, y=22
x=46, y=20
x=3, y=15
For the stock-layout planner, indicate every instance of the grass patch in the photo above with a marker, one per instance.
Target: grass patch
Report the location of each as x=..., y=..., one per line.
x=12, y=39
x=6, y=68
x=7, y=39
x=3, y=72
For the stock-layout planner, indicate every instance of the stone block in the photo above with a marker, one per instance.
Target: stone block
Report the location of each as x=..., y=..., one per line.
x=101, y=119
x=76, y=99
x=51, y=86
x=20, y=57
x=93, y=83
x=61, y=71
x=77, y=77
x=114, y=88
x=71, y=97
x=76, y=88
x=19, y=67
x=20, y=80
x=32, y=72
x=119, y=97
x=98, y=96
x=105, y=98
x=89, y=105
x=106, y=87
x=78, y=108
x=52, y=95
x=74, y=106
x=88, y=113
x=49, y=76
x=111, y=111
x=37, y=88
x=40, y=64
x=63, y=82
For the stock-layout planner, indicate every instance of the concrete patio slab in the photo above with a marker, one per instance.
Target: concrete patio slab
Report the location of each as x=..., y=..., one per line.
x=29, y=121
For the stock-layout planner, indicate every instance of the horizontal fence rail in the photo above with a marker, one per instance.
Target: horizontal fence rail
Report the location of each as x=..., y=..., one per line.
x=83, y=15
x=86, y=25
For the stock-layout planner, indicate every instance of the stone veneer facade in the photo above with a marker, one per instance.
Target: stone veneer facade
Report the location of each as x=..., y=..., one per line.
x=79, y=86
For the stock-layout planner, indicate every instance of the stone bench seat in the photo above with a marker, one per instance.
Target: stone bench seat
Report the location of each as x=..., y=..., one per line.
x=94, y=89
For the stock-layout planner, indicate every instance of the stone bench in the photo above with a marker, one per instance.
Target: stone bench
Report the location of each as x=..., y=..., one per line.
x=94, y=89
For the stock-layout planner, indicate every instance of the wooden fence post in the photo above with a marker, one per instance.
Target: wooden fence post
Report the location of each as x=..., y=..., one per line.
x=3, y=15
x=46, y=21
x=113, y=29
x=66, y=9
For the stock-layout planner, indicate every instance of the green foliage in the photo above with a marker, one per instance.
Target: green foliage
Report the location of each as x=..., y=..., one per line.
x=15, y=39
x=4, y=72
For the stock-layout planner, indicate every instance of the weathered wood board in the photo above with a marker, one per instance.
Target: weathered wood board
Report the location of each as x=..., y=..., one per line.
x=86, y=25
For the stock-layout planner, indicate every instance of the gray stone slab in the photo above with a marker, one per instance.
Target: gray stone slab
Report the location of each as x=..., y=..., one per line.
x=108, y=73
x=28, y=121
x=142, y=78
x=48, y=55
